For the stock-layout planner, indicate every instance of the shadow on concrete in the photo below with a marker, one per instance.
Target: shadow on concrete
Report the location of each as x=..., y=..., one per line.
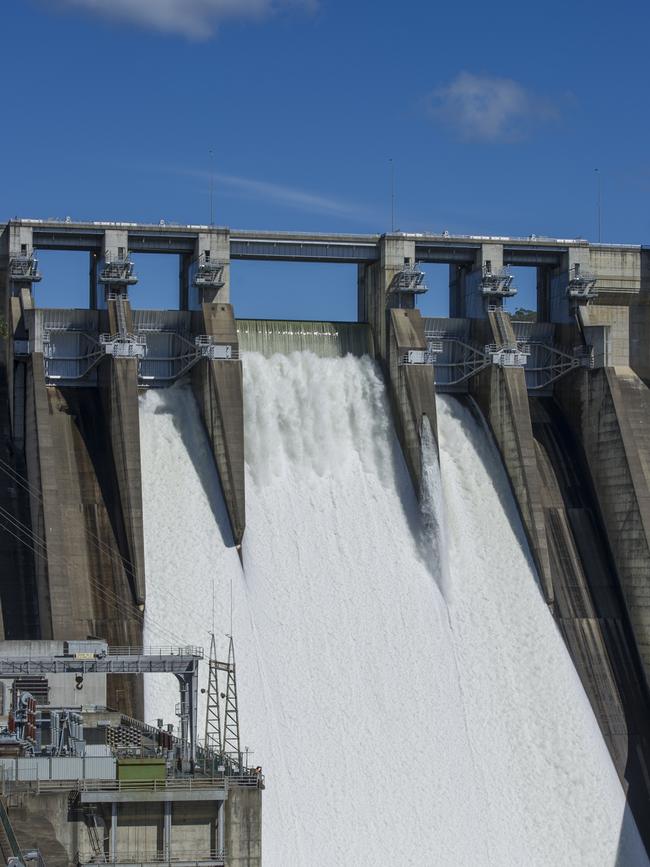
x=592, y=616
x=84, y=405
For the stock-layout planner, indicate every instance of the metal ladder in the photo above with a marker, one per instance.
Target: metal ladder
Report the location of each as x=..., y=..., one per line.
x=95, y=836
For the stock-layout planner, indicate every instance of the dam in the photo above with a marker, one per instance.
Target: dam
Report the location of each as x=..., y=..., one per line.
x=428, y=536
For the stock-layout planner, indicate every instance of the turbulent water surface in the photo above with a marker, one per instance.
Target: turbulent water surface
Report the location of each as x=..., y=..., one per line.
x=400, y=677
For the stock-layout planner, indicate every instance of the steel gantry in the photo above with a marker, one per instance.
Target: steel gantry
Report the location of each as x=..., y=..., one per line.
x=183, y=662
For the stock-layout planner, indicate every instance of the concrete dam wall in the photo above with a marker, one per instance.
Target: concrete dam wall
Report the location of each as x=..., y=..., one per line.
x=156, y=462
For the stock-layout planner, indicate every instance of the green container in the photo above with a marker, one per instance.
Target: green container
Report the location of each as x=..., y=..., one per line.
x=137, y=770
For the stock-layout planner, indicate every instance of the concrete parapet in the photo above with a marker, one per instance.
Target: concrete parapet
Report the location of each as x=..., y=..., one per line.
x=218, y=388
x=503, y=398
x=411, y=387
x=243, y=827
x=609, y=410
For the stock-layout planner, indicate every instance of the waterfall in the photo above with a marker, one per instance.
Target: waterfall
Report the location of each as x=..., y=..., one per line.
x=393, y=723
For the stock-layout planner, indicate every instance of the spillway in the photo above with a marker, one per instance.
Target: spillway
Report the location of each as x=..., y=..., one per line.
x=407, y=706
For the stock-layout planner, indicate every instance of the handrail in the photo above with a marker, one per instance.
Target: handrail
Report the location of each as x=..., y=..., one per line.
x=213, y=856
x=165, y=650
x=171, y=784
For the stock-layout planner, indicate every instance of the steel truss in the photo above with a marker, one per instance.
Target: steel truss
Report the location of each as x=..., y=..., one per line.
x=557, y=362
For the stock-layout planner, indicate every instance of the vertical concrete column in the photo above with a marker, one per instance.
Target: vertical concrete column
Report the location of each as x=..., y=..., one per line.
x=544, y=277
x=640, y=322
x=561, y=309
x=396, y=331
x=411, y=389
x=92, y=280
x=113, y=831
x=218, y=388
x=374, y=282
x=118, y=383
x=466, y=298
x=167, y=830
x=221, y=830
x=184, y=264
x=243, y=835
x=19, y=242
x=115, y=245
x=212, y=248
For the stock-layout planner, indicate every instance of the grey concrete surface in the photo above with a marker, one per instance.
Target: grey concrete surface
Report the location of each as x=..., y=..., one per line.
x=410, y=387
x=83, y=576
x=589, y=608
x=502, y=397
x=608, y=411
x=218, y=388
x=244, y=827
x=118, y=386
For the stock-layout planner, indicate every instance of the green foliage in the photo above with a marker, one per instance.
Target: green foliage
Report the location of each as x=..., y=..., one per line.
x=522, y=314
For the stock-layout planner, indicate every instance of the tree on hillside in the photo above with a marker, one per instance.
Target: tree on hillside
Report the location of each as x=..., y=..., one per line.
x=522, y=314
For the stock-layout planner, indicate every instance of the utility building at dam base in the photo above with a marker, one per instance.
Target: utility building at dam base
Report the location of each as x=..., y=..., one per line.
x=567, y=402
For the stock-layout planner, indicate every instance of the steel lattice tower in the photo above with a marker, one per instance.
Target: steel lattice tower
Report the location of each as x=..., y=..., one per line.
x=231, y=747
x=213, y=738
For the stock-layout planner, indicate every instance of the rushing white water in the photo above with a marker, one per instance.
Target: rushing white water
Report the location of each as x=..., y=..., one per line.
x=189, y=554
x=394, y=724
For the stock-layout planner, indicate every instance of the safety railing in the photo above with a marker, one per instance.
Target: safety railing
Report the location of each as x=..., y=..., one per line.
x=170, y=784
x=164, y=650
x=199, y=859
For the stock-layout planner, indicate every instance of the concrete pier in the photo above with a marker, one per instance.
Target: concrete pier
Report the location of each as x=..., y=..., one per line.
x=503, y=398
x=411, y=388
x=609, y=410
x=589, y=608
x=218, y=388
x=396, y=332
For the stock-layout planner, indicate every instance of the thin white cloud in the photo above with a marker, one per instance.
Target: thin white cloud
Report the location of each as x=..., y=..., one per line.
x=490, y=109
x=292, y=197
x=195, y=19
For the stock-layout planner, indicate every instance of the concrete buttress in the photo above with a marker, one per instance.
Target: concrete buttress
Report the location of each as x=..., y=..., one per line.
x=503, y=399
x=608, y=410
x=411, y=387
x=83, y=574
x=218, y=388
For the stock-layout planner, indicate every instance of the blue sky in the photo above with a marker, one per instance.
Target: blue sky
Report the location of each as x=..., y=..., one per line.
x=495, y=116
